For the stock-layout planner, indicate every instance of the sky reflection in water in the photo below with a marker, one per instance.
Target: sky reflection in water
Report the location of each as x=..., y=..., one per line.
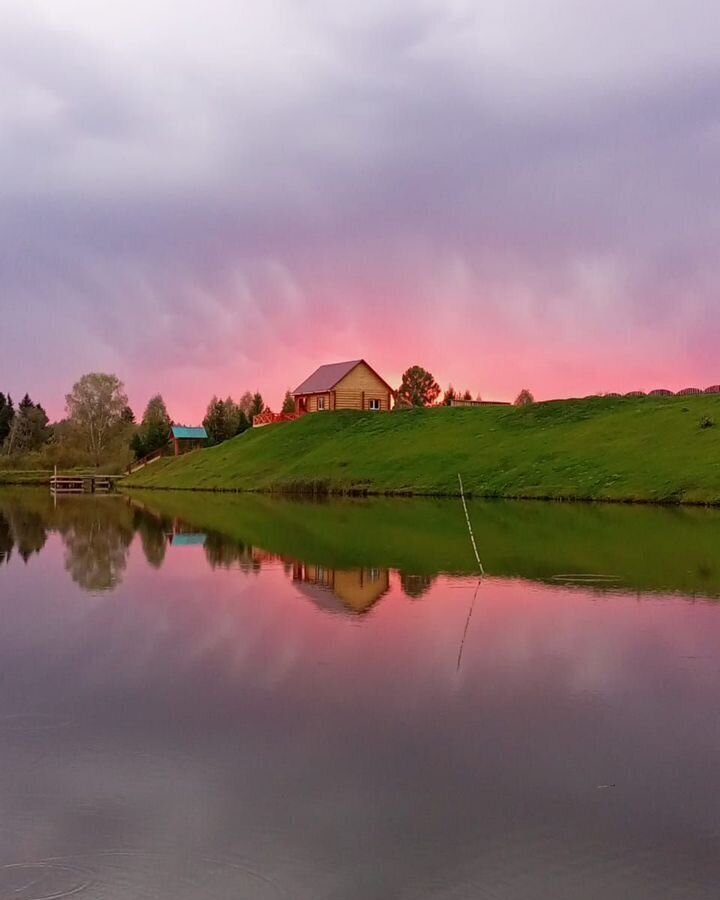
x=183, y=715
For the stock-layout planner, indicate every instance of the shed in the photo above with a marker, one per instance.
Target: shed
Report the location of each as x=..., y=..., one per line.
x=345, y=385
x=186, y=438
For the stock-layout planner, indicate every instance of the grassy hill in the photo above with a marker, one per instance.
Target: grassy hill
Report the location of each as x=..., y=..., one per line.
x=642, y=449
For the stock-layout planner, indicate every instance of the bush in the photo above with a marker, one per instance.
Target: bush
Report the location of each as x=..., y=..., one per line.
x=707, y=422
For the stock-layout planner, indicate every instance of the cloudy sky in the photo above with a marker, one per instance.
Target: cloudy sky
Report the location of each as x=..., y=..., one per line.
x=208, y=197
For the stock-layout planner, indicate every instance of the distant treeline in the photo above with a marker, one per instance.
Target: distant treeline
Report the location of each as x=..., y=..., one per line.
x=100, y=428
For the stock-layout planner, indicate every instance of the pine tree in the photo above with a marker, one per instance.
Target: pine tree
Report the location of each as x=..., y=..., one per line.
x=257, y=406
x=288, y=405
x=449, y=395
x=7, y=413
x=155, y=427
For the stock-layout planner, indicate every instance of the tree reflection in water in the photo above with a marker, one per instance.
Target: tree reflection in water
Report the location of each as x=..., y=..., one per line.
x=224, y=553
x=97, y=534
x=22, y=528
x=415, y=586
x=6, y=539
x=153, y=537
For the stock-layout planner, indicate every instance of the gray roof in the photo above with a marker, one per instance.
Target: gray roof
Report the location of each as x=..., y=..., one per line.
x=326, y=377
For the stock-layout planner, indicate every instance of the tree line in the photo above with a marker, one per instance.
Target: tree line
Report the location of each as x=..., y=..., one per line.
x=100, y=428
x=419, y=388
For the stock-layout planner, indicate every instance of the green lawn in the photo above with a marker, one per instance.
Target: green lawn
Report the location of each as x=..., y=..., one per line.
x=29, y=477
x=647, y=449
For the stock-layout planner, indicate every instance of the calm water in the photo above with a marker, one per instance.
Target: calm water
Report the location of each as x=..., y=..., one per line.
x=204, y=697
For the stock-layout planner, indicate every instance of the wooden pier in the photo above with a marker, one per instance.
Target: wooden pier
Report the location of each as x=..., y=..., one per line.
x=83, y=484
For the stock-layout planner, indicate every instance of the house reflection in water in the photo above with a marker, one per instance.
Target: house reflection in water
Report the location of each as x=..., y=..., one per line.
x=350, y=591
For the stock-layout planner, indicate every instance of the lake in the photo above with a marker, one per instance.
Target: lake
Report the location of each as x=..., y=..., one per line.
x=216, y=696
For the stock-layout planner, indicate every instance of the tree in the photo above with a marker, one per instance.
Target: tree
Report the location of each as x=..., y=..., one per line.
x=7, y=413
x=467, y=395
x=95, y=407
x=524, y=398
x=245, y=404
x=288, y=405
x=418, y=387
x=257, y=406
x=243, y=423
x=127, y=416
x=449, y=396
x=224, y=419
x=29, y=429
x=216, y=421
x=155, y=425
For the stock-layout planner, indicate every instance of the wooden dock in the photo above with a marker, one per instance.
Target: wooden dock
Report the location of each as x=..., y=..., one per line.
x=83, y=484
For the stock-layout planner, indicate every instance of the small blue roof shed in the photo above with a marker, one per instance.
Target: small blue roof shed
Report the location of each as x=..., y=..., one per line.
x=183, y=432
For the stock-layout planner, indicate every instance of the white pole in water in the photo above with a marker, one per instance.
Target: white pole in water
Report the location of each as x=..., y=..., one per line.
x=467, y=519
x=482, y=575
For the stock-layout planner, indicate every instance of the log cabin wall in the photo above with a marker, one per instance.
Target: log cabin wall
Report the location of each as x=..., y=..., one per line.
x=358, y=388
x=314, y=406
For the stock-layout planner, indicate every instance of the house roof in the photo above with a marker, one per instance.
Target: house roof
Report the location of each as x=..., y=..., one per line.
x=182, y=431
x=326, y=377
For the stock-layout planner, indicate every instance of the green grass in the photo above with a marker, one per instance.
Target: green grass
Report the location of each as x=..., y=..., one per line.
x=647, y=449
x=30, y=477
x=645, y=548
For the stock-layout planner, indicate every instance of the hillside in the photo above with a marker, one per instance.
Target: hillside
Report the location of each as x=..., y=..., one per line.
x=641, y=449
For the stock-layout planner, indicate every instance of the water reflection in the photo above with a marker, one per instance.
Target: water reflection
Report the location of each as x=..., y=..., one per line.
x=97, y=535
x=416, y=586
x=97, y=543
x=22, y=529
x=341, y=557
x=7, y=541
x=352, y=591
x=267, y=701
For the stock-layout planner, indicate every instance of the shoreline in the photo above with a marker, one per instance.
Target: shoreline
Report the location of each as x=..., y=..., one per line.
x=340, y=494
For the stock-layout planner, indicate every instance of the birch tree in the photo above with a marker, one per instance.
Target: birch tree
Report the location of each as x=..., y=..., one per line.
x=95, y=409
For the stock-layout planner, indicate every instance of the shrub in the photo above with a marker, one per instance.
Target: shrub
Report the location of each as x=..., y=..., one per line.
x=707, y=422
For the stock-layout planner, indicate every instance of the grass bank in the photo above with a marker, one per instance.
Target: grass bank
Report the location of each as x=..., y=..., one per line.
x=664, y=450
x=33, y=477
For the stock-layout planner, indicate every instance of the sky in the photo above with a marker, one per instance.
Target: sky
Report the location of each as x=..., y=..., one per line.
x=212, y=197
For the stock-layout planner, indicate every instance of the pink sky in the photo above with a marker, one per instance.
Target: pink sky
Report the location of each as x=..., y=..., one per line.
x=509, y=195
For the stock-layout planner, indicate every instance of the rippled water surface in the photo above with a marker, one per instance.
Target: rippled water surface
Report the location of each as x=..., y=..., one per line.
x=208, y=697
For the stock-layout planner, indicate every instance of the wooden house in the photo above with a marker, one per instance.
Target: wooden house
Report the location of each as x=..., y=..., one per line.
x=184, y=438
x=345, y=385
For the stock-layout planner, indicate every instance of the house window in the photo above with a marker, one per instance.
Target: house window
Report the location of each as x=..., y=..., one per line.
x=321, y=403
x=373, y=404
